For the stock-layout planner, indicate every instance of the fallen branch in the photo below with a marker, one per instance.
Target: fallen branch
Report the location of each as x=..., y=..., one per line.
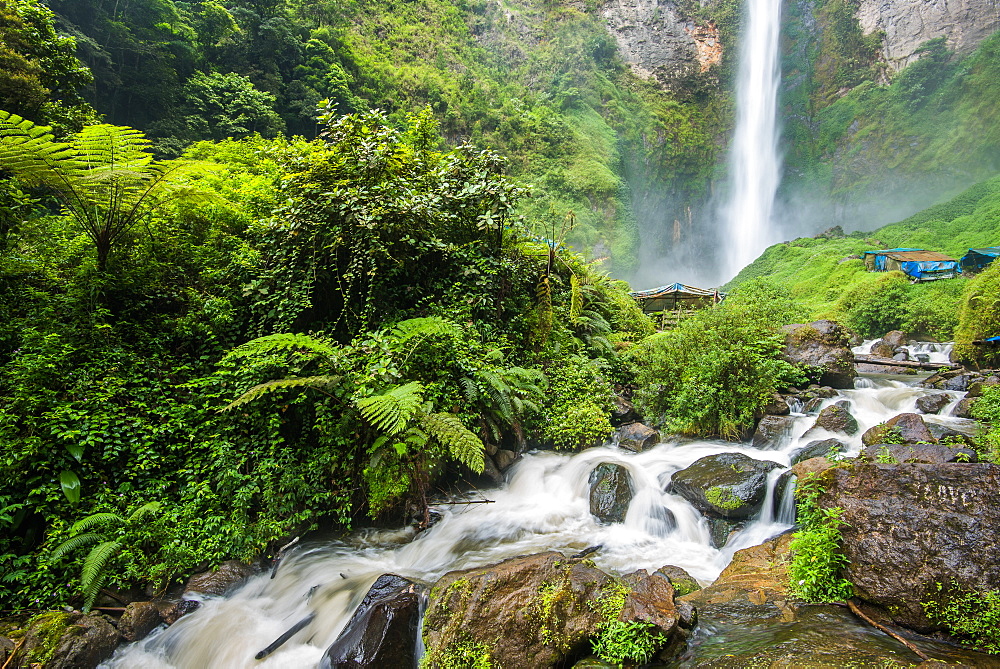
x=904, y=363
x=281, y=554
x=471, y=501
x=856, y=611
x=10, y=658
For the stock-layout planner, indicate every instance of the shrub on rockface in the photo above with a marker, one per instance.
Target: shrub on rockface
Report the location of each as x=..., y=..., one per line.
x=715, y=371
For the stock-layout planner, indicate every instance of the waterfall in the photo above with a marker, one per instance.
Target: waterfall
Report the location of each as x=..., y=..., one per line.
x=754, y=164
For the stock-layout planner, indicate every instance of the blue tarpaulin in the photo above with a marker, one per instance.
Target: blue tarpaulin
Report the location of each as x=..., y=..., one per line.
x=976, y=259
x=918, y=264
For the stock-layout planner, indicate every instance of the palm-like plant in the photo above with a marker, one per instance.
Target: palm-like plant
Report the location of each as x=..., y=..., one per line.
x=87, y=531
x=504, y=396
x=105, y=175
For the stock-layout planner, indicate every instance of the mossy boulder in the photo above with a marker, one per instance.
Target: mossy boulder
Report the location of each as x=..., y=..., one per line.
x=906, y=428
x=538, y=611
x=815, y=449
x=610, y=492
x=821, y=348
x=60, y=640
x=834, y=418
x=728, y=485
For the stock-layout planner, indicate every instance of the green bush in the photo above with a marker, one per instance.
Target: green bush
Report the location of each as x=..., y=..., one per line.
x=974, y=616
x=816, y=557
x=986, y=408
x=713, y=373
x=979, y=318
x=876, y=307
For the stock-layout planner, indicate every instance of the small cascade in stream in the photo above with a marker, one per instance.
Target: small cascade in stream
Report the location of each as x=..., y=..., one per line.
x=543, y=506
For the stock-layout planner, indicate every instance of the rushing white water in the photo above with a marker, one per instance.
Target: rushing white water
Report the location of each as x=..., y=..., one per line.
x=543, y=506
x=754, y=162
x=933, y=351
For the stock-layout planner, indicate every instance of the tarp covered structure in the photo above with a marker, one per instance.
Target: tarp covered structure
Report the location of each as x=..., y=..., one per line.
x=918, y=264
x=976, y=259
x=676, y=296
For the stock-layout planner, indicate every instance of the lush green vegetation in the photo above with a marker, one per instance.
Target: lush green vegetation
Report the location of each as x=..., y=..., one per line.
x=714, y=372
x=375, y=287
x=816, y=557
x=973, y=616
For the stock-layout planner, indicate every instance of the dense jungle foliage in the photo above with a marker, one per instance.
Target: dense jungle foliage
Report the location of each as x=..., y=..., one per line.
x=408, y=321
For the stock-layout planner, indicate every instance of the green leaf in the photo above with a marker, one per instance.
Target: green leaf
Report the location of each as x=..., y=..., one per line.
x=70, y=484
x=76, y=450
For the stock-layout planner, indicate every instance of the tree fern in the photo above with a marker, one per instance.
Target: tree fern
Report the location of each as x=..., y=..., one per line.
x=393, y=409
x=73, y=543
x=146, y=509
x=95, y=571
x=95, y=520
x=283, y=342
x=430, y=326
x=498, y=391
x=543, y=294
x=317, y=382
x=463, y=445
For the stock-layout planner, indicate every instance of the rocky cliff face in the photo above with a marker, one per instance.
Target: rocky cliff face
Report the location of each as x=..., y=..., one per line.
x=909, y=23
x=657, y=41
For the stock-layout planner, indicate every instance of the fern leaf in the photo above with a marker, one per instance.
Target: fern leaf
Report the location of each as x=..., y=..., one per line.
x=95, y=571
x=576, y=297
x=74, y=543
x=543, y=293
x=430, y=326
x=144, y=510
x=462, y=444
x=280, y=384
x=94, y=520
x=470, y=389
x=393, y=409
x=499, y=392
x=282, y=342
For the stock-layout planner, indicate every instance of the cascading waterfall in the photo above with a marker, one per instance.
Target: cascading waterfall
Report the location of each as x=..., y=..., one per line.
x=543, y=506
x=754, y=163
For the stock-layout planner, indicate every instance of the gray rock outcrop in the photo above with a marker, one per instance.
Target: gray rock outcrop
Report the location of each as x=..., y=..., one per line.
x=728, y=485
x=821, y=345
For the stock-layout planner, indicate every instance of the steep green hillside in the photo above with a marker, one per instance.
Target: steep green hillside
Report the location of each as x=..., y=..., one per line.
x=828, y=277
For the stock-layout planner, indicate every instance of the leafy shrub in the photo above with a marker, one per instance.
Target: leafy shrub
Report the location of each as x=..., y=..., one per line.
x=876, y=307
x=986, y=408
x=575, y=412
x=979, y=318
x=816, y=556
x=712, y=373
x=974, y=616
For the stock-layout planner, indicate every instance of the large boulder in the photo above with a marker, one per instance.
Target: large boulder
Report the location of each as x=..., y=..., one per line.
x=908, y=428
x=138, y=620
x=834, y=418
x=728, y=485
x=623, y=412
x=59, y=640
x=815, y=449
x=383, y=630
x=636, y=437
x=933, y=403
x=933, y=454
x=770, y=431
x=536, y=611
x=821, y=345
x=610, y=492
x=909, y=527
x=219, y=580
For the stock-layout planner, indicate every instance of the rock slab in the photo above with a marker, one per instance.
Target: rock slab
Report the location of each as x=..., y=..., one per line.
x=911, y=526
x=728, y=485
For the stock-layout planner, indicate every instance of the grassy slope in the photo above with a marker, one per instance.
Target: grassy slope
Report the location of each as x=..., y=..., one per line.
x=823, y=279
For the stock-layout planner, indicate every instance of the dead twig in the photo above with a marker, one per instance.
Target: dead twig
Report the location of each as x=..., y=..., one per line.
x=10, y=658
x=856, y=611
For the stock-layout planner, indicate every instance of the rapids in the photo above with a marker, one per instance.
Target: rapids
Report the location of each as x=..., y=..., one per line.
x=542, y=506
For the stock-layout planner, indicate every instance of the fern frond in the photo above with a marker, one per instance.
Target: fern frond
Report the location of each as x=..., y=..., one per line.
x=393, y=409
x=463, y=445
x=281, y=384
x=144, y=510
x=498, y=391
x=31, y=153
x=95, y=571
x=470, y=388
x=575, y=297
x=94, y=520
x=543, y=294
x=73, y=543
x=430, y=326
x=282, y=342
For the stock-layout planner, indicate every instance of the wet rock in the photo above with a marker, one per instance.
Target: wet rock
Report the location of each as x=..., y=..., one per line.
x=491, y=471
x=770, y=431
x=683, y=582
x=911, y=526
x=728, y=485
x=720, y=530
x=171, y=612
x=536, y=611
x=955, y=434
x=812, y=466
x=610, y=492
x=220, y=580
x=961, y=382
x=138, y=620
x=623, y=412
x=935, y=454
x=60, y=640
x=504, y=459
x=834, y=418
x=933, y=403
x=895, y=339
x=812, y=405
x=882, y=350
x=821, y=345
x=964, y=408
x=636, y=437
x=976, y=388
x=907, y=427
x=901, y=356
x=815, y=449
x=777, y=407
x=383, y=630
